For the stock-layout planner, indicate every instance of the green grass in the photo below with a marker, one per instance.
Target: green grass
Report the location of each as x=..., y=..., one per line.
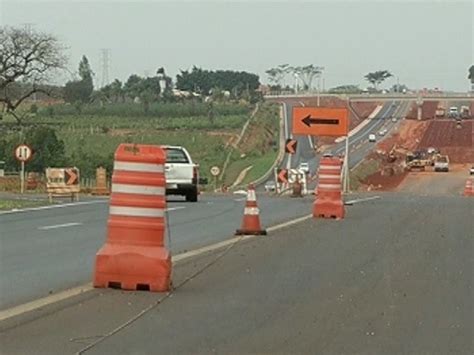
x=106, y=123
x=361, y=172
x=10, y=204
x=260, y=165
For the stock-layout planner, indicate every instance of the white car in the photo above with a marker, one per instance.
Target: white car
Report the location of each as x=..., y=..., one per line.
x=182, y=175
x=304, y=167
x=372, y=138
x=382, y=132
x=394, y=119
x=270, y=186
x=471, y=171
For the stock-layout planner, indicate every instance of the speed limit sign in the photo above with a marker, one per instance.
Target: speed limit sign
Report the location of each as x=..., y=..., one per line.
x=215, y=171
x=23, y=152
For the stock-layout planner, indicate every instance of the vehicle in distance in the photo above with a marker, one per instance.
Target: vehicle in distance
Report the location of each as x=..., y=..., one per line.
x=327, y=154
x=270, y=186
x=182, y=175
x=372, y=138
x=441, y=163
x=471, y=171
x=394, y=119
x=382, y=132
x=453, y=112
x=304, y=167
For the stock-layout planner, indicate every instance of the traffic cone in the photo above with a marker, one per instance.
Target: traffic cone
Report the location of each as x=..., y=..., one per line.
x=251, y=221
x=468, y=188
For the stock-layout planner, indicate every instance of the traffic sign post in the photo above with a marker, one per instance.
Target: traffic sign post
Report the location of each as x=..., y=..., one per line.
x=23, y=153
x=215, y=171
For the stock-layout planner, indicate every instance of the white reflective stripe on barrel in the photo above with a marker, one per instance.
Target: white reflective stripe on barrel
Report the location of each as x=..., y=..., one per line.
x=251, y=211
x=326, y=176
x=330, y=167
x=138, y=189
x=136, y=211
x=329, y=186
x=251, y=195
x=141, y=167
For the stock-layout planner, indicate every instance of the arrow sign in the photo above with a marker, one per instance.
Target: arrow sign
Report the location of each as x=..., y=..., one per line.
x=308, y=120
x=283, y=176
x=290, y=146
x=71, y=176
x=320, y=121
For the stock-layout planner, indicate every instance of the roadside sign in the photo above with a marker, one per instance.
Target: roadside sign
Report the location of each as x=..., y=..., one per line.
x=320, y=121
x=23, y=152
x=215, y=171
x=290, y=146
x=62, y=182
x=71, y=176
x=282, y=175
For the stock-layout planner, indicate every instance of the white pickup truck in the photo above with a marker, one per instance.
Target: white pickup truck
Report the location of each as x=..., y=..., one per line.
x=182, y=175
x=441, y=163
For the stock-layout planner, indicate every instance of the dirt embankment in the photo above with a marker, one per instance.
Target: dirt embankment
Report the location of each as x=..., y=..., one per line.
x=428, y=110
x=452, y=139
x=445, y=135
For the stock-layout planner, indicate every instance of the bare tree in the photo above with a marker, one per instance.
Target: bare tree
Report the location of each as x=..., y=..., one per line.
x=27, y=59
x=307, y=74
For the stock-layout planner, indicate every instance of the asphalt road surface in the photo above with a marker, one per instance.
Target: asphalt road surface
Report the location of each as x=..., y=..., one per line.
x=394, y=277
x=49, y=250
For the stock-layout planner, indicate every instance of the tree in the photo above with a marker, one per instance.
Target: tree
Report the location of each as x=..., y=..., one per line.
x=27, y=59
x=345, y=89
x=307, y=73
x=471, y=74
x=49, y=151
x=277, y=74
x=80, y=90
x=377, y=77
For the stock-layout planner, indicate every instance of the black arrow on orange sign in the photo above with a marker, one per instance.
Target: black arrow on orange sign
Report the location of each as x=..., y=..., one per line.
x=283, y=176
x=308, y=120
x=71, y=177
x=290, y=146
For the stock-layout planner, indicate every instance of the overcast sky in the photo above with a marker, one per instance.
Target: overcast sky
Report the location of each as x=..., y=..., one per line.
x=424, y=43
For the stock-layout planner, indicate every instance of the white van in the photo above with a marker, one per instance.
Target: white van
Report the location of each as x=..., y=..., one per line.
x=372, y=138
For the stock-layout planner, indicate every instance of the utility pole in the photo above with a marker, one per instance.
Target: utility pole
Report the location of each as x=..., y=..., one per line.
x=105, y=61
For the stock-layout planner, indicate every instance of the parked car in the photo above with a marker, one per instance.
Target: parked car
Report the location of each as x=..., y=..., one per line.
x=182, y=175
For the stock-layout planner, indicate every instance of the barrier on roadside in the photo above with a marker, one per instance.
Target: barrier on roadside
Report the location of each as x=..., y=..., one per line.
x=468, y=188
x=63, y=182
x=328, y=202
x=32, y=180
x=100, y=187
x=251, y=221
x=134, y=256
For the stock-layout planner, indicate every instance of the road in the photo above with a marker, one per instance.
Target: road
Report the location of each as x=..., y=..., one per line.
x=53, y=249
x=48, y=250
x=393, y=277
x=359, y=146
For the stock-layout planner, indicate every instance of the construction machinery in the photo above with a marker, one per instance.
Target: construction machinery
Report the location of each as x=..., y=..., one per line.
x=419, y=159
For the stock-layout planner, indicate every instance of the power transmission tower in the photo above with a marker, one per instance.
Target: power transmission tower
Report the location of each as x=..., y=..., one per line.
x=105, y=60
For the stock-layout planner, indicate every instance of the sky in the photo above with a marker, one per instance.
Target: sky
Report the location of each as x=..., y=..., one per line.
x=425, y=44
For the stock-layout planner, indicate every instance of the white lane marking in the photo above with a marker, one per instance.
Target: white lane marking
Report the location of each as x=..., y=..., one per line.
x=74, y=204
x=31, y=306
x=60, y=296
x=310, y=139
x=351, y=202
x=240, y=199
x=56, y=226
x=175, y=208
